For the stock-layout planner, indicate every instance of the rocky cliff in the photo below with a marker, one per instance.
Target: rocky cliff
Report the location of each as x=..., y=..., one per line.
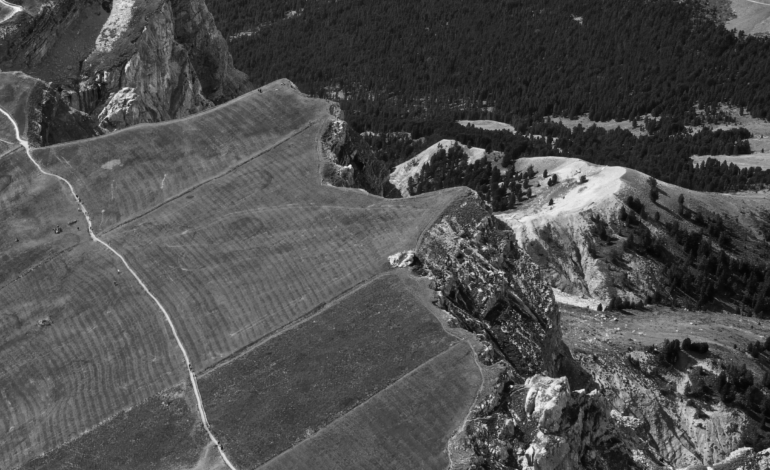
x=144, y=61
x=541, y=409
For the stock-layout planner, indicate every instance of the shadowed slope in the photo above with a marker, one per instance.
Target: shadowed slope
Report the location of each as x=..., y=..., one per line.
x=405, y=426
x=298, y=382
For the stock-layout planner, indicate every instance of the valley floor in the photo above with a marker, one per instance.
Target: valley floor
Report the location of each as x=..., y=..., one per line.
x=586, y=330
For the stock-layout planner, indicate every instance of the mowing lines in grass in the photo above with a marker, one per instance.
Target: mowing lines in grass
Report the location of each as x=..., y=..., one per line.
x=406, y=425
x=248, y=253
x=162, y=161
x=104, y=349
x=162, y=433
x=193, y=380
x=301, y=380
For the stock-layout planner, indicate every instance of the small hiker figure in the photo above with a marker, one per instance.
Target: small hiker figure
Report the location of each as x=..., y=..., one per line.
x=57, y=230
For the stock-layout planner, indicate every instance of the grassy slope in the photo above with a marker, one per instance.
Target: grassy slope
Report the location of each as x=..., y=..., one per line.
x=405, y=426
x=761, y=160
x=236, y=257
x=750, y=17
x=744, y=213
x=162, y=433
x=152, y=164
x=298, y=382
x=234, y=248
x=589, y=330
x=106, y=348
x=15, y=88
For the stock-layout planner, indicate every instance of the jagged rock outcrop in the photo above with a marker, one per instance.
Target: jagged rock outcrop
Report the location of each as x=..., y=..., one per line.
x=158, y=78
x=51, y=120
x=350, y=161
x=194, y=28
x=27, y=38
x=492, y=288
x=153, y=60
x=573, y=429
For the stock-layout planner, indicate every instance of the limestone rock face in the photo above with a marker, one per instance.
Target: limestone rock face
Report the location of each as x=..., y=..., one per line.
x=152, y=61
x=574, y=429
x=157, y=82
x=123, y=109
x=546, y=401
x=54, y=121
x=495, y=290
x=195, y=29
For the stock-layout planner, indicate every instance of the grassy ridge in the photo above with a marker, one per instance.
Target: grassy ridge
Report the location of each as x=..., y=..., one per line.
x=264, y=245
x=301, y=380
x=148, y=164
x=405, y=426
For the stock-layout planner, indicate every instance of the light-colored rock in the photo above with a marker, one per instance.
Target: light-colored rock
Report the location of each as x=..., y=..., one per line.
x=158, y=80
x=549, y=452
x=546, y=400
x=123, y=109
x=167, y=53
x=402, y=259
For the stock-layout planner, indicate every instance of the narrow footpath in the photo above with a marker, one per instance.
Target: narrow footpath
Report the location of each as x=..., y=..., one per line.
x=190, y=372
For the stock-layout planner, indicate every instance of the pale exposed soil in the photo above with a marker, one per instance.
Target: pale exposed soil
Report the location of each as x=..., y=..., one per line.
x=761, y=160
x=489, y=125
x=751, y=16
x=608, y=125
x=412, y=167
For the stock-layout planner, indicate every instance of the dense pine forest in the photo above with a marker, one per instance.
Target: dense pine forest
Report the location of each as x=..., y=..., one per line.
x=417, y=67
x=498, y=59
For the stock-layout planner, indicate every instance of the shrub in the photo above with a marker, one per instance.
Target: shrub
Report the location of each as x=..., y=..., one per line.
x=669, y=353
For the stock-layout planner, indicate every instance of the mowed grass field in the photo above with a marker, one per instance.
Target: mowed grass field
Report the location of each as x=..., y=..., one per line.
x=298, y=382
x=127, y=173
x=224, y=218
x=106, y=349
x=244, y=238
x=79, y=342
x=405, y=426
x=163, y=433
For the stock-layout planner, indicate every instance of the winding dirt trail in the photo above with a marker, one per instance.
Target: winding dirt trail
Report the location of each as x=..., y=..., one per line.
x=93, y=236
